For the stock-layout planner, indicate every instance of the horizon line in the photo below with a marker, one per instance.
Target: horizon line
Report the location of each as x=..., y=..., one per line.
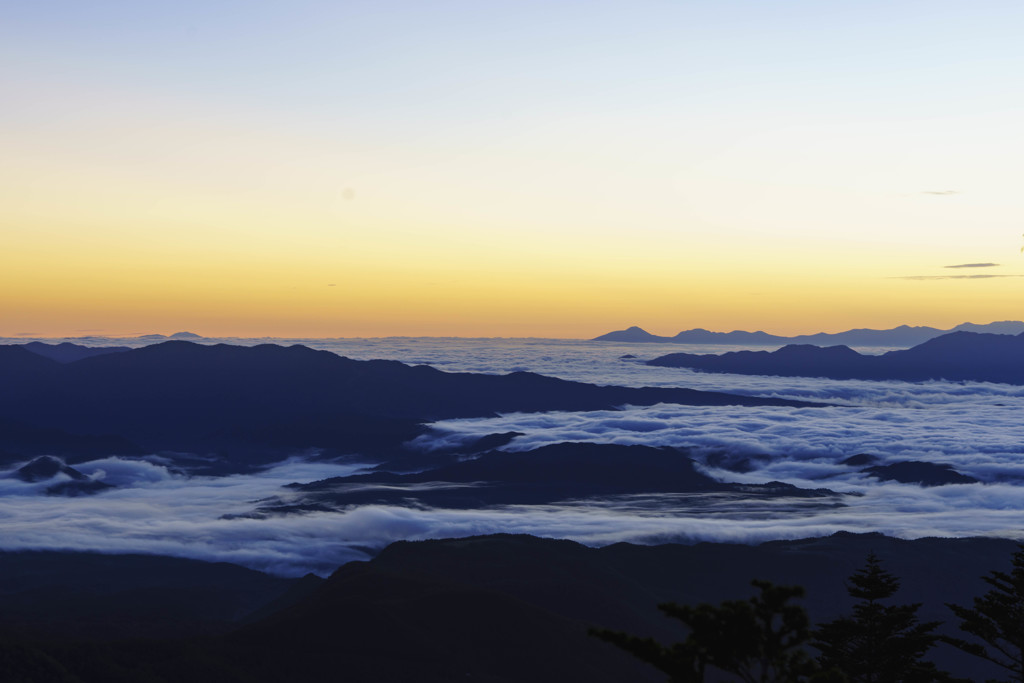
x=154, y=336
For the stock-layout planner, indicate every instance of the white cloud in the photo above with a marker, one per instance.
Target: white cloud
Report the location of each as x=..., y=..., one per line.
x=972, y=426
x=800, y=445
x=181, y=516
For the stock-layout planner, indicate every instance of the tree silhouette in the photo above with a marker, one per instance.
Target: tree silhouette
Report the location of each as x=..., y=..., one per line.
x=878, y=643
x=997, y=618
x=759, y=640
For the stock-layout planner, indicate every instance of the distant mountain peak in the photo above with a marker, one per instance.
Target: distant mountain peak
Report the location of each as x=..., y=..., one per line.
x=47, y=467
x=957, y=356
x=999, y=327
x=176, y=335
x=903, y=336
x=631, y=334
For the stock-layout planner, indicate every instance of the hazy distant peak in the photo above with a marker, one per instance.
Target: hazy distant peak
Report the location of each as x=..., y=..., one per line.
x=66, y=352
x=1001, y=327
x=630, y=334
x=176, y=335
x=957, y=356
x=902, y=336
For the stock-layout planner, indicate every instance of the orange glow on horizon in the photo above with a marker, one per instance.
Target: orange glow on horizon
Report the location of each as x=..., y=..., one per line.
x=507, y=187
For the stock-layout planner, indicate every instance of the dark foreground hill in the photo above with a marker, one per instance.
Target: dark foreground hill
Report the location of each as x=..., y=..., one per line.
x=517, y=608
x=54, y=595
x=959, y=356
x=184, y=396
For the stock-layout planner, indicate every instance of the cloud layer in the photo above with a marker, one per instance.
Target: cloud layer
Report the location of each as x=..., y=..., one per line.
x=184, y=518
x=801, y=446
x=157, y=511
x=953, y=277
x=973, y=426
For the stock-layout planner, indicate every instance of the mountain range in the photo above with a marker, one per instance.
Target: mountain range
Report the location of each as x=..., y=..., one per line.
x=497, y=608
x=958, y=356
x=255, y=402
x=67, y=352
x=903, y=335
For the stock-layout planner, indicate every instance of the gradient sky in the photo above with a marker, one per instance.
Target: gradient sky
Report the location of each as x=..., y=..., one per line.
x=493, y=168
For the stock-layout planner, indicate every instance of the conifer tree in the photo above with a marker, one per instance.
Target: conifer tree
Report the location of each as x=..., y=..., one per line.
x=878, y=643
x=759, y=640
x=997, y=619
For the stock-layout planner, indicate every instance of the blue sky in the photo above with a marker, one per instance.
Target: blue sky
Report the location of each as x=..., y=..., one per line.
x=547, y=168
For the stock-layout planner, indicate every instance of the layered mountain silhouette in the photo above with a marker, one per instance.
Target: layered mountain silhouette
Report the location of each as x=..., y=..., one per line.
x=67, y=352
x=176, y=335
x=180, y=395
x=904, y=335
x=558, y=472
x=959, y=356
x=66, y=480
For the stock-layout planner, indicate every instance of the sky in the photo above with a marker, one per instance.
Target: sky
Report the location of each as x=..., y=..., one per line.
x=550, y=169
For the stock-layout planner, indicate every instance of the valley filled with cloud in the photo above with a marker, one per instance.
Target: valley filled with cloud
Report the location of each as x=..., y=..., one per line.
x=165, y=504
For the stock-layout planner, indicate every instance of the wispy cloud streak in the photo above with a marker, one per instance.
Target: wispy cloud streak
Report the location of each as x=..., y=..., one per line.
x=950, y=277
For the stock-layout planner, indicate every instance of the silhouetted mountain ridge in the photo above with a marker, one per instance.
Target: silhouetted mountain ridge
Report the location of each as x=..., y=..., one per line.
x=67, y=352
x=179, y=395
x=958, y=356
x=918, y=472
x=46, y=467
x=68, y=480
x=904, y=335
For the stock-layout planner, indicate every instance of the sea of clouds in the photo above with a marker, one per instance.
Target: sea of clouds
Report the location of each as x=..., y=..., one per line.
x=803, y=446
x=975, y=427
